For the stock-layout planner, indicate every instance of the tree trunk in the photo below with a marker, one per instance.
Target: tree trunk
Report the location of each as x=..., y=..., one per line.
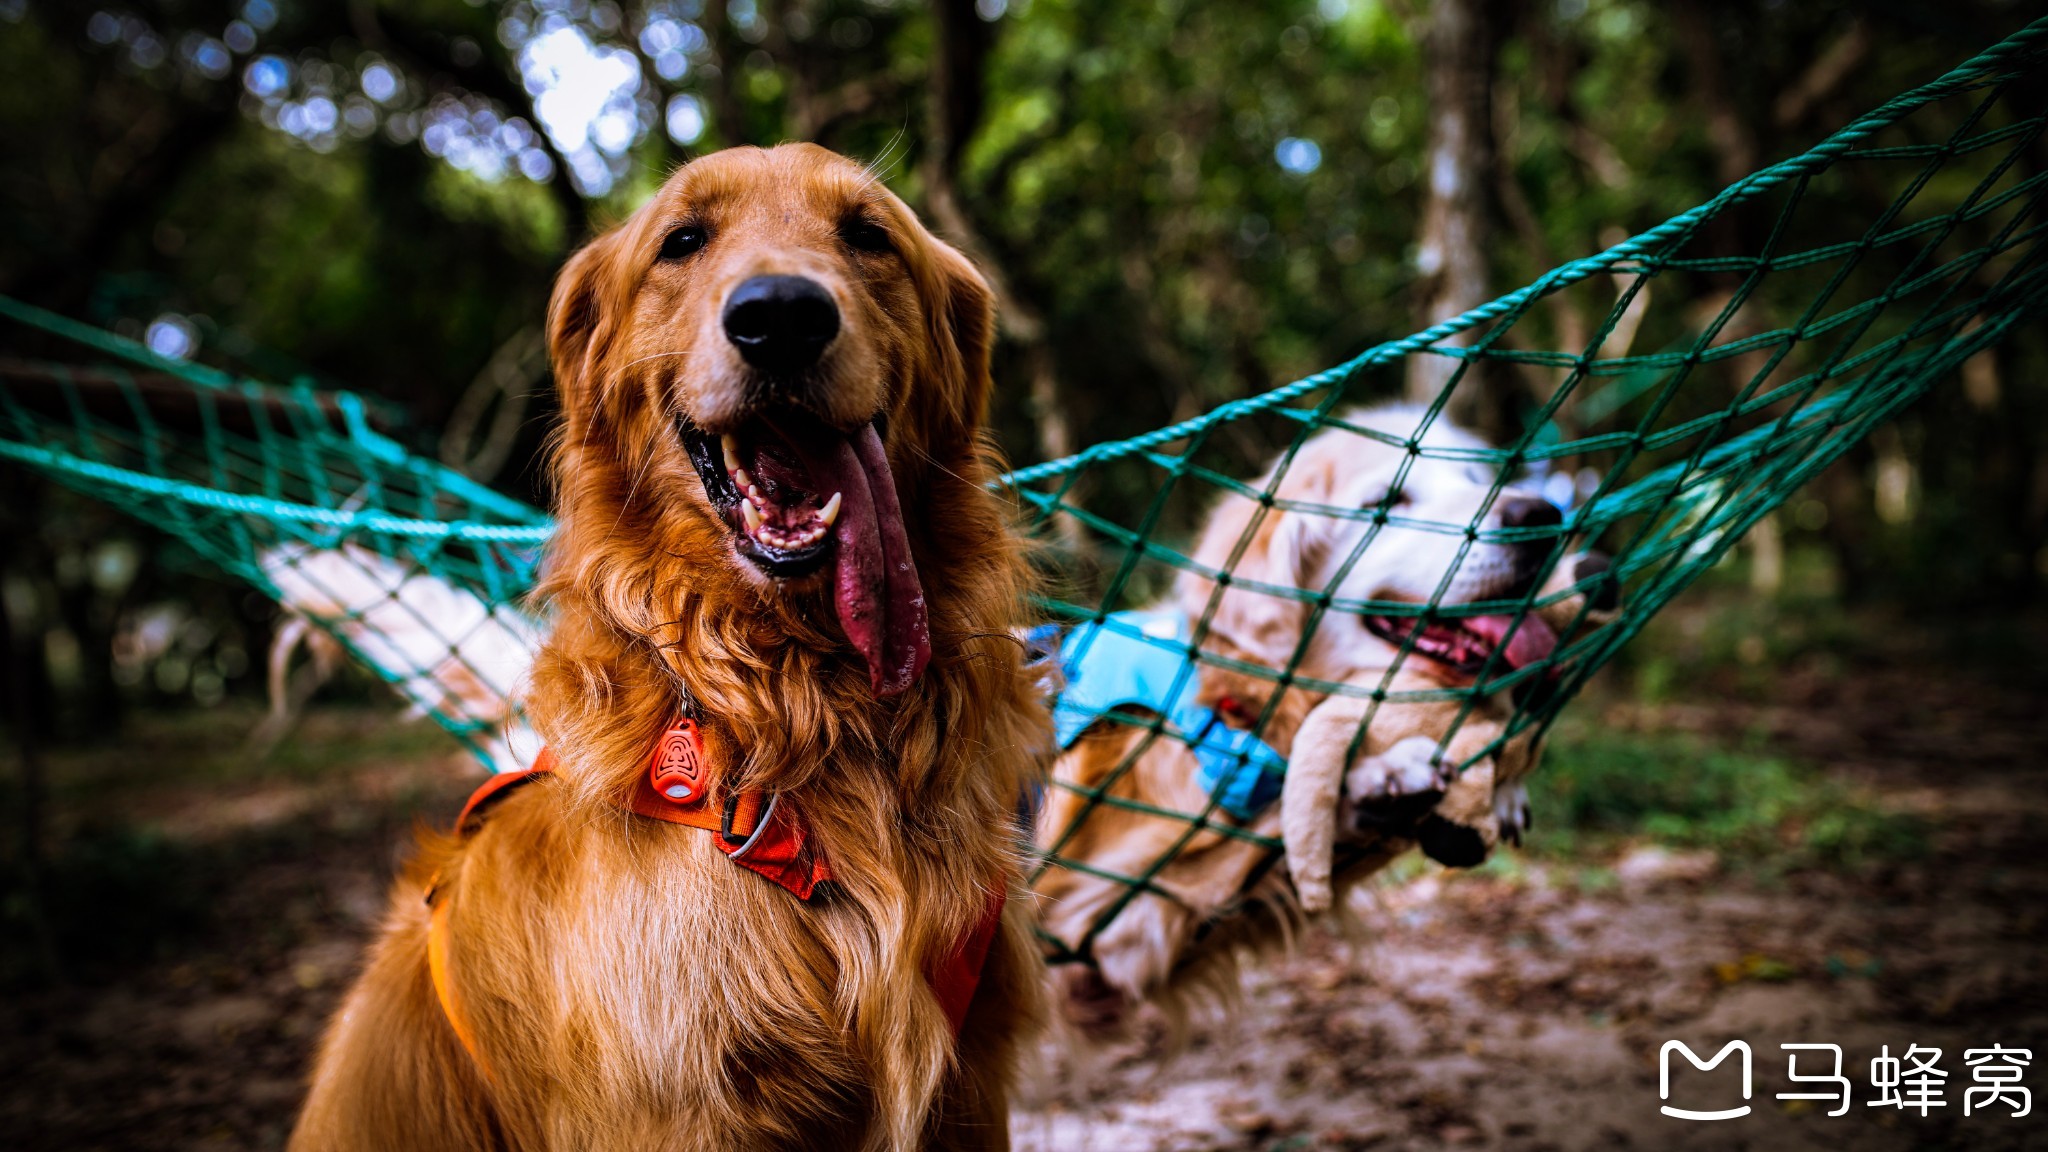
x=492, y=76
x=1461, y=48
x=726, y=114
x=958, y=96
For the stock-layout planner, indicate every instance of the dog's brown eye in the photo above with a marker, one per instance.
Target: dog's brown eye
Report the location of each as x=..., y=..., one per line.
x=682, y=242
x=866, y=236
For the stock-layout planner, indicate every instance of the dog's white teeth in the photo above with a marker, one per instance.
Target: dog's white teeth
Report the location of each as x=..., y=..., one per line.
x=752, y=514
x=740, y=478
x=830, y=512
x=729, y=446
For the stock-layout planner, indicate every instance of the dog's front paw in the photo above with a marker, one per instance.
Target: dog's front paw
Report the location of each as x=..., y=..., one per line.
x=1407, y=769
x=1391, y=791
x=1511, y=811
x=1315, y=893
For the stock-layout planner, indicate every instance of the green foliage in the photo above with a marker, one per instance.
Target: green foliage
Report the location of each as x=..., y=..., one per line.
x=1188, y=203
x=1123, y=177
x=1758, y=811
x=1736, y=641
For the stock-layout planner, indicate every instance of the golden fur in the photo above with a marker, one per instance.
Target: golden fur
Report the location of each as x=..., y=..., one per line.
x=630, y=987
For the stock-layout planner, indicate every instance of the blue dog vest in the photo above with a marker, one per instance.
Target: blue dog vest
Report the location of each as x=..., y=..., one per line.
x=1141, y=659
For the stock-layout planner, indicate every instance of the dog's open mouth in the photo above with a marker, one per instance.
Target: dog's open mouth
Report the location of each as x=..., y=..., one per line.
x=796, y=492
x=1464, y=644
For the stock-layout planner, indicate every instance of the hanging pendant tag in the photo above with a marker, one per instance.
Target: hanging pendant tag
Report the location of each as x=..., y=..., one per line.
x=677, y=770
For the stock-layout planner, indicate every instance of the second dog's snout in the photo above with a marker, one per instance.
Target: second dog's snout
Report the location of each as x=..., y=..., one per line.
x=1606, y=595
x=781, y=324
x=1528, y=512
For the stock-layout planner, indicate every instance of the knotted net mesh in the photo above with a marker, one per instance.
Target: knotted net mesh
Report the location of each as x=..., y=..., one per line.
x=1743, y=346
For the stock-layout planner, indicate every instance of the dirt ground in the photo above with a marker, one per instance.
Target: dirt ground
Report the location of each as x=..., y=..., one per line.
x=207, y=921
x=1524, y=1008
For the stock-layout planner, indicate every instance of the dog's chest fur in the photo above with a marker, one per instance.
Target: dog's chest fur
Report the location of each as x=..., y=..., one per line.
x=669, y=977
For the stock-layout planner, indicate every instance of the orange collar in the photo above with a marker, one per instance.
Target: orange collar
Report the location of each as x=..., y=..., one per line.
x=769, y=837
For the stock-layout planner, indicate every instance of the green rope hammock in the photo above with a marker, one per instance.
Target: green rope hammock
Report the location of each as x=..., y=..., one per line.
x=412, y=567
x=1812, y=335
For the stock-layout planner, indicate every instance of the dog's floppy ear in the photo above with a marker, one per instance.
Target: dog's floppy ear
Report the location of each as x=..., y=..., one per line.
x=1287, y=550
x=589, y=294
x=960, y=315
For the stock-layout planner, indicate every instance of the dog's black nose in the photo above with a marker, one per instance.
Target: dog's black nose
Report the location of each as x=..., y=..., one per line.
x=1604, y=596
x=1528, y=512
x=781, y=324
x=1451, y=845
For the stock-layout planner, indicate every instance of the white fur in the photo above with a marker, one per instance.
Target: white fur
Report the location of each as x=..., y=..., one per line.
x=443, y=647
x=1308, y=799
x=1511, y=810
x=1399, y=560
x=1412, y=765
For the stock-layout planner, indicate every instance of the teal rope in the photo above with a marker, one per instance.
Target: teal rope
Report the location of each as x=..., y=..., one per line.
x=66, y=464
x=1973, y=73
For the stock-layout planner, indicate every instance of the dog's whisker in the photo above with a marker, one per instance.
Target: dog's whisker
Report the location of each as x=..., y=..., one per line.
x=878, y=170
x=927, y=457
x=657, y=356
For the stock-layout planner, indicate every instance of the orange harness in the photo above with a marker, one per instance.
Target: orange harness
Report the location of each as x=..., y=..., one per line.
x=769, y=837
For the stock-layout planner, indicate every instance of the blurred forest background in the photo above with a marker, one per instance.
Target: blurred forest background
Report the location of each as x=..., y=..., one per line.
x=1180, y=203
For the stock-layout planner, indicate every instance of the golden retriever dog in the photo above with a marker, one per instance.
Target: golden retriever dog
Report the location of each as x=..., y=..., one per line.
x=1400, y=794
x=755, y=896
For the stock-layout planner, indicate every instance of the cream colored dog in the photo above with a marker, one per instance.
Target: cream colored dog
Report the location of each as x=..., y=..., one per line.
x=1320, y=535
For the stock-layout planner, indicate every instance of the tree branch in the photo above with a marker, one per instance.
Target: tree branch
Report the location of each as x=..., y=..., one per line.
x=726, y=114
x=1462, y=47
x=956, y=103
x=958, y=98
x=1824, y=77
x=427, y=53
x=1734, y=146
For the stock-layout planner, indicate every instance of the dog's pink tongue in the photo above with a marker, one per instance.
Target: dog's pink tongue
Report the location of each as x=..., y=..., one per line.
x=1531, y=642
x=875, y=584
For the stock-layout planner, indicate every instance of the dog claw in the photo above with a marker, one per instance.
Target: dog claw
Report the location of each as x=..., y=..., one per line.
x=1389, y=815
x=1511, y=812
